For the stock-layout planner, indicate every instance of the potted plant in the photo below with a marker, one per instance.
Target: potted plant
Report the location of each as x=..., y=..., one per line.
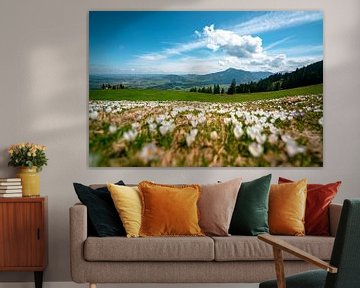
x=30, y=158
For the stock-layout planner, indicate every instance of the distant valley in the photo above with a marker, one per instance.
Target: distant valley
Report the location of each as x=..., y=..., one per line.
x=175, y=82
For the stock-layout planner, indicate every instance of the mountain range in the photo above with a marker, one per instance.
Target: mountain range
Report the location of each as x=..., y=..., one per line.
x=176, y=82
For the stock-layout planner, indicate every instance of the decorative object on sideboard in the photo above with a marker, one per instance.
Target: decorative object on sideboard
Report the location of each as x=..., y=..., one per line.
x=30, y=158
x=10, y=187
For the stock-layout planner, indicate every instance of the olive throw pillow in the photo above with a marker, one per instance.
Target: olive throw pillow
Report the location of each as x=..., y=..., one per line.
x=319, y=197
x=127, y=201
x=287, y=204
x=250, y=215
x=169, y=210
x=216, y=206
x=102, y=215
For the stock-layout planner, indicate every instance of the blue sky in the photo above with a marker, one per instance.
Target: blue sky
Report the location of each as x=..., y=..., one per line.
x=201, y=42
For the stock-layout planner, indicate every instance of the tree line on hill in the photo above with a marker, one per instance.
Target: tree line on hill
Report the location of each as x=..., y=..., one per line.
x=107, y=86
x=308, y=75
x=209, y=89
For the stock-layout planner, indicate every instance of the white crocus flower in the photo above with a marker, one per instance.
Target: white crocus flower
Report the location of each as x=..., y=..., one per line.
x=213, y=135
x=93, y=115
x=112, y=128
x=148, y=152
x=292, y=148
x=260, y=138
x=135, y=125
x=274, y=130
x=273, y=138
x=160, y=119
x=194, y=123
x=321, y=121
x=256, y=149
x=150, y=120
x=286, y=138
x=166, y=127
x=238, y=131
x=252, y=132
x=227, y=121
x=130, y=135
x=152, y=127
x=190, y=138
x=202, y=119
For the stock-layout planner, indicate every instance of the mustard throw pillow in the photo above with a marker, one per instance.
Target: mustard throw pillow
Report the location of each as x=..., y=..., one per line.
x=169, y=210
x=287, y=204
x=127, y=201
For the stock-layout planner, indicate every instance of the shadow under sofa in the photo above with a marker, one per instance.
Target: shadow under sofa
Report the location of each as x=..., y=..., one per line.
x=233, y=259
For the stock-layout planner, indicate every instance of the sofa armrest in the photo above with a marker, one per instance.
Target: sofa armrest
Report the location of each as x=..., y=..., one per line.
x=78, y=235
x=334, y=217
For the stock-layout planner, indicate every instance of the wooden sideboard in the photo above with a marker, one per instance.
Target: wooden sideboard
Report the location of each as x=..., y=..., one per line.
x=23, y=235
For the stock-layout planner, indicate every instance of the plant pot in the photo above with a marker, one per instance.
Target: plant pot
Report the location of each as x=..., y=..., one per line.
x=30, y=181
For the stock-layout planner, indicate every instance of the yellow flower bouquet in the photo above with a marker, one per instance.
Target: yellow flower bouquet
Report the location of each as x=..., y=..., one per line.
x=27, y=155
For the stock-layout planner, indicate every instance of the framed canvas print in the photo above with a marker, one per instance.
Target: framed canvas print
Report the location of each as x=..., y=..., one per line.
x=205, y=88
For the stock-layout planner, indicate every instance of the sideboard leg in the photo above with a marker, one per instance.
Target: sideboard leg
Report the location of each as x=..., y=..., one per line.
x=92, y=285
x=38, y=279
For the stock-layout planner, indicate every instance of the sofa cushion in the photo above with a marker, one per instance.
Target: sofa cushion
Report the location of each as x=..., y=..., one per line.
x=102, y=216
x=287, y=204
x=250, y=215
x=244, y=248
x=169, y=210
x=216, y=206
x=127, y=201
x=149, y=249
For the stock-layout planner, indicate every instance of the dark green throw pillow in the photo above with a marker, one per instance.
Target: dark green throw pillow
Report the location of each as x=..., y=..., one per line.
x=250, y=216
x=103, y=219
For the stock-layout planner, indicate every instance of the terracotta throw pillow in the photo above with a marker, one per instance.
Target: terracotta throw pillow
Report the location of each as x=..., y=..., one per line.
x=319, y=197
x=169, y=210
x=216, y=206
x=287, y=204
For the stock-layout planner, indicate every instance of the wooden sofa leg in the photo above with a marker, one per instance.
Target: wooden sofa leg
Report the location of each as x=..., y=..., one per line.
x=92, y=285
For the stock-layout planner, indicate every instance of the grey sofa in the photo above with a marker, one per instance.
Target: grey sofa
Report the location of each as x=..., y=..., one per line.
x=234, y=259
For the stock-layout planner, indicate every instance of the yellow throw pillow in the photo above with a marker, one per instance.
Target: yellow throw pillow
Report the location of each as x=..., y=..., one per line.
x=287, y=204
x=127, y=201
x=169, y=210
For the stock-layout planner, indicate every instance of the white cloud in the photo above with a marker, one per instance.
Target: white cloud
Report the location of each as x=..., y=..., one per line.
x=277, y=20
x=233, y=44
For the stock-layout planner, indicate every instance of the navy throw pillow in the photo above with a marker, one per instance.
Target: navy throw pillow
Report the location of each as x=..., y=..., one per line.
x=103, y=218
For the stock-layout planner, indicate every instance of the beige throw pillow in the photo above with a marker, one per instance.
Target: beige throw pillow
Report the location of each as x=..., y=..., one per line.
x=216, y=206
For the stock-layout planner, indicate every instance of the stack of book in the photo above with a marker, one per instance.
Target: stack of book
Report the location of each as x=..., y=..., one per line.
x=10, y=187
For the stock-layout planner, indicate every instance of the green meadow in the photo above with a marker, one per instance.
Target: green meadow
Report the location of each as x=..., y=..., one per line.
x=175, y=95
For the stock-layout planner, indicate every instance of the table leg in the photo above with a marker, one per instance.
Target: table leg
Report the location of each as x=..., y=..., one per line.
x=38, y=279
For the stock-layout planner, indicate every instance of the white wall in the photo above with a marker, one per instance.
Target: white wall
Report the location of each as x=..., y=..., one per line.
x=43, y=82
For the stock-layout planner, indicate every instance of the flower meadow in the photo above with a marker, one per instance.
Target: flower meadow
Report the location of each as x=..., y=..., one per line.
x=286, y=131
